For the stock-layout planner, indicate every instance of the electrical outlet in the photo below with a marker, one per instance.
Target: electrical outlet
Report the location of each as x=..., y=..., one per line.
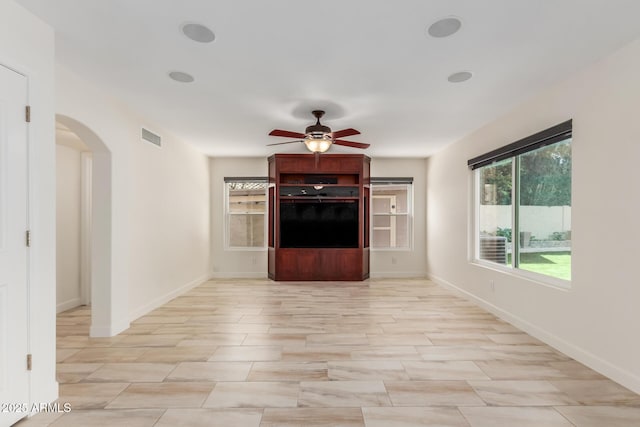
x=394, y=260
x=493, y=285
x=254, y=260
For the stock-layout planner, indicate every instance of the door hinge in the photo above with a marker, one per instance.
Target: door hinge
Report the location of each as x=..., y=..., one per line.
x=28, y=238
x=27, y=113
x=29, y=363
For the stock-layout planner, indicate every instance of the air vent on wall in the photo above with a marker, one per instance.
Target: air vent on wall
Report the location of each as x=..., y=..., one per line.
x=151, y=137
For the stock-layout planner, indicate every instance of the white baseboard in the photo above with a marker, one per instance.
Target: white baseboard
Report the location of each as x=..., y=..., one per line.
x=621, y=376
x=157, y=302
x=239, y=275
x=105, y=331
x=397, y=275
x=100, y=332
x=68, y=305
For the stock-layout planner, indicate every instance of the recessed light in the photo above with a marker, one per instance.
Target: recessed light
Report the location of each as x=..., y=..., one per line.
x=444, y=27
x=181, y=77
x=460, y=77
x=198, y=33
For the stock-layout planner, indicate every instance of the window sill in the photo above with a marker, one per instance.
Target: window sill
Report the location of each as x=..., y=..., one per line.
x=541, y=279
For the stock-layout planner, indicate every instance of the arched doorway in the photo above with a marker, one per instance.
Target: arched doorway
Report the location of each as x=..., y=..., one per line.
x=101, y=221
x=73, y=220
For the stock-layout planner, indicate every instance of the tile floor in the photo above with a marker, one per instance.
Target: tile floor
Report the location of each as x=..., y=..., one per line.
x=376, y=353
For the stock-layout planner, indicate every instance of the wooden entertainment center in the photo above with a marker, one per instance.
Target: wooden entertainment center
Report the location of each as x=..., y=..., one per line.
x=318, y=217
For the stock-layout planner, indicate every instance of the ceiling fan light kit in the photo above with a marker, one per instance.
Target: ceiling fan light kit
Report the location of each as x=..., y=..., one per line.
x=319, y=138
x=318, y=145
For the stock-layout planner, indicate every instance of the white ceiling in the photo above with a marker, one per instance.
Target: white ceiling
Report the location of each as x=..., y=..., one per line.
x=368, y=63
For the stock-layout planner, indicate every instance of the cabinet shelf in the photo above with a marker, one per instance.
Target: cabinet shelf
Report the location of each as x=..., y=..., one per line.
x=319, y=179
x=304, y=191
x=317, y=185
x=316, y=198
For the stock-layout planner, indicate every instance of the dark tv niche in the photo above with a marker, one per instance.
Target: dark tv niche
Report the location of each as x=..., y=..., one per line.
x=312, y=224
x=319, y=179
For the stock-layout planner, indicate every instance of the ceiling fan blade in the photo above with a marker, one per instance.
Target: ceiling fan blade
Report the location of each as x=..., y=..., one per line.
x=288, y=142
x=286, y=133
x=350, y=143
x=345, y=132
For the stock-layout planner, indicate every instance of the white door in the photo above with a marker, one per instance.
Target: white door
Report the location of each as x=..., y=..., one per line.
x=14, y=386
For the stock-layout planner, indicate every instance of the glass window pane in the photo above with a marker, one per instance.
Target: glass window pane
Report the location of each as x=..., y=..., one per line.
x=247, y=197
x=545, y=210
x=381, y=238
x=381, y=205
x=246, y=230
x=391, y=207
x=247, y=204
x=402, y=231
x=380, y=221
x=495, y=212
x=391, y=198
x=246, y=210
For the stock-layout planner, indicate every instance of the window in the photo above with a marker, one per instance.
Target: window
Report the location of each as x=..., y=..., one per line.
x=391, y=209
x=495, y=211
x=523, y=204
x=245, y=211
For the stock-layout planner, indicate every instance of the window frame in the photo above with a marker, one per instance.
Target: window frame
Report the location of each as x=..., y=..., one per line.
x=227, y=214
x=554, y=135
x=390, y=181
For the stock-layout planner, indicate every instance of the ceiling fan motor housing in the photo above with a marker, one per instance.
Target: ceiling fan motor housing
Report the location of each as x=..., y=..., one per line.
x=317, y=130
x=319, y=134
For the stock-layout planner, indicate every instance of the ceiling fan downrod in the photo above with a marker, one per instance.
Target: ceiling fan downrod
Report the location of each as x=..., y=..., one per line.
x=317, y=130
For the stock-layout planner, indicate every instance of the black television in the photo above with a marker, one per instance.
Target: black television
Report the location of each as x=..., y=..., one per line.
x=319, y=224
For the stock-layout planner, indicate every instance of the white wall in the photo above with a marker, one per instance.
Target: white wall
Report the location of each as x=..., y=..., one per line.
x=253, y=263
x=67, y=228
x=27, y=44
x=168, y=212
x=159, y=226
x=597, y=321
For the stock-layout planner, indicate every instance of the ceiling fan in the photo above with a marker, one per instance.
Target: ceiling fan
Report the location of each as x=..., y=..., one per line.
x=319, y=138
